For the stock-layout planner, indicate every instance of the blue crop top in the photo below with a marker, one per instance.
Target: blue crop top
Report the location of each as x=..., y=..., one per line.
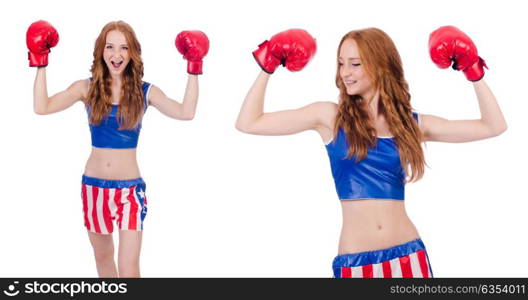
x=107, y=133
x=378, y=176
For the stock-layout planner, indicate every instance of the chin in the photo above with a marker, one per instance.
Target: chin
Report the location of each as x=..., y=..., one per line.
x=351, y=92
x=119, y=73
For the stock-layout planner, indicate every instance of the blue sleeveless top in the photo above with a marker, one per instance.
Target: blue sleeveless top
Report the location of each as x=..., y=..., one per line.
x=107, y=133
x=378, y=176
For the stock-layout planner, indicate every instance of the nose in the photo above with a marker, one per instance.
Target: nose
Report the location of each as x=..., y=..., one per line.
x=345, y=72
x=116, y=52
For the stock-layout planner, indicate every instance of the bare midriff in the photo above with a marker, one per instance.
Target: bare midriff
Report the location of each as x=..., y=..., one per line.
x=114, y=164
x=373, y=224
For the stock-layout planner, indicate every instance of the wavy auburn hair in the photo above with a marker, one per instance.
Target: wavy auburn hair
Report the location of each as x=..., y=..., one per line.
x=99, y=100
x=383, y=65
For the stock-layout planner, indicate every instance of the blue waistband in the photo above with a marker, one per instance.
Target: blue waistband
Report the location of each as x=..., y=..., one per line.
x=112, y=184
x=377, y=256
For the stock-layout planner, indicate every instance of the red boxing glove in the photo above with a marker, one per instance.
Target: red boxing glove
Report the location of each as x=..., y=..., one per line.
x=449, y=45
x=40, y=37
x=292, y=48
x=194, y=45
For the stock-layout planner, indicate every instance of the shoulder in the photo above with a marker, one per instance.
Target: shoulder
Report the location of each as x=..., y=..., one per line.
x=151, y=91
x=426, y=122
x=323, y=108
x=321, y=112
x=418, y=118
x=145, y=88
x=83, y=84
x=325, y=105
x=80, y=88
x=154, y=95
x=326, y=112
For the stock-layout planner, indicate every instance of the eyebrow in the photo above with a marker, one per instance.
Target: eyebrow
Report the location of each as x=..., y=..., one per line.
x=350, y=58
x=113, y=44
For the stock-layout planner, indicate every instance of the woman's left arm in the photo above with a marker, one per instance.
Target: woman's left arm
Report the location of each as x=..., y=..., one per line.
x=171, y=108
x=194, y=45
x=490, y=124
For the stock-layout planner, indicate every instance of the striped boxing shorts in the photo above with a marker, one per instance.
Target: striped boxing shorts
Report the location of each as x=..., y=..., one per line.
x=406, y=260
x=105, y=201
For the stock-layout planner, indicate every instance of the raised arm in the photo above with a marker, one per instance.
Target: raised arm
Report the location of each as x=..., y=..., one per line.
x=292, y=48
x=173, y=109
x=44, y=105
x=40, y=38
x=448, y=45
x=193, y=45
x=253, y=120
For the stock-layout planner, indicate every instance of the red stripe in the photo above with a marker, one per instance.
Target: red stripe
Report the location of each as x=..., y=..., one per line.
x=387, y=271
x=346, y=272
x=405, y=263
x=132, y=217
x=95, y=193
x=85, y=206
x=119, y=205
x=367, y=271
x=423, y=263
x=106, y=211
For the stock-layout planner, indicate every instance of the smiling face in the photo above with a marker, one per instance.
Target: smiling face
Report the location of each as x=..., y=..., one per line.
x=115, y=52
x=352, y=72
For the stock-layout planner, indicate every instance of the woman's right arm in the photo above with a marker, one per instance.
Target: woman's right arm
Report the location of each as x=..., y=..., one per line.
x=44, y=105
x=253, y=120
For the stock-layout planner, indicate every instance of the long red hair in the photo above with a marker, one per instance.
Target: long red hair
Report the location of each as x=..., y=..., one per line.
x=383, y=65
x=131, y=104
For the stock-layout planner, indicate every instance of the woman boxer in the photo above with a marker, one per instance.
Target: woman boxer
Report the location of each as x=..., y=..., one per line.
x=373, y=137
x=115, y=98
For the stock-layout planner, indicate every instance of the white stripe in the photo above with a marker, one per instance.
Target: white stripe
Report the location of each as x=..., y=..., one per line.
x=139, y=209
x=126, y=208
x=377, y=270
x=100, y=204
x=396, y=268
x=111, y=203
x=89, y=202
x=357, y=272
x=415, y=266
x=118, y=206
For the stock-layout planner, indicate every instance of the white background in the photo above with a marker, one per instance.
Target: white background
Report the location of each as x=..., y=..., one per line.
x=227, y=204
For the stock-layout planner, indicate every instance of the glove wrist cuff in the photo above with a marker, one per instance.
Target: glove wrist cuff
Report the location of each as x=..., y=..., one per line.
x=475, y=72
x=194, y=67
x=37, y=60
x=266, y=61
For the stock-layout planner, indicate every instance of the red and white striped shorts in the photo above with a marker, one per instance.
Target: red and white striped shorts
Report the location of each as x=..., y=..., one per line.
x=408, y=260
x=107, y=200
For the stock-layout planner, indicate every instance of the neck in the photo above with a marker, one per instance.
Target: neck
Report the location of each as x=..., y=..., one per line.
x=116, y=81
x=372, y=100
